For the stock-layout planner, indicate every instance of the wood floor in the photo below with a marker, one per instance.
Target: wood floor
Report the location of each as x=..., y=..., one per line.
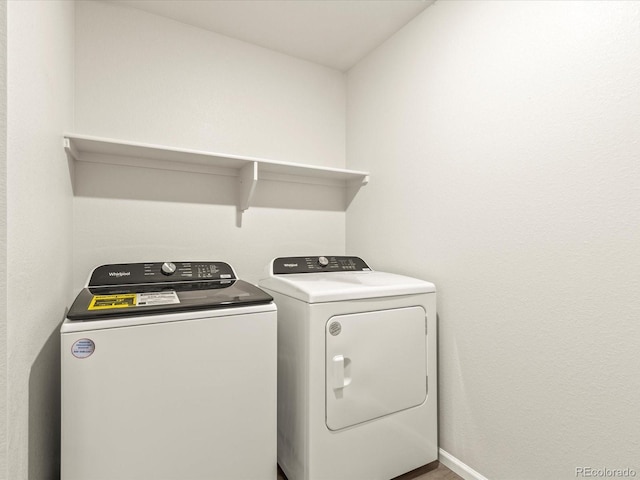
x=432, y=471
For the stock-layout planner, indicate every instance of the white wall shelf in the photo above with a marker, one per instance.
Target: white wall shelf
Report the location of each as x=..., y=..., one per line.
x=248, y=171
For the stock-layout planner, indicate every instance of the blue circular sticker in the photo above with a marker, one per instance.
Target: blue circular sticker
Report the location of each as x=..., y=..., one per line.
x=83, y=348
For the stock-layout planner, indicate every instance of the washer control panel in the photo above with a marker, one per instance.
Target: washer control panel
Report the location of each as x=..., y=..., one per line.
x=156, y=272
x=286, y=265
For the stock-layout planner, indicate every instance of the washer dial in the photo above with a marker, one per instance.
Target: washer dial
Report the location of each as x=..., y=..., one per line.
x=168, y=268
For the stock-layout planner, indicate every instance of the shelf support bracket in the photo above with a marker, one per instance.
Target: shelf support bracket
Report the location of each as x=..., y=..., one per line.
x=72, y=158
x=247, y=180
x=69, y=148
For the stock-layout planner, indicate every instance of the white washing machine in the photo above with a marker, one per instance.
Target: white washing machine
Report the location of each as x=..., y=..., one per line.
x=169, y=373
x=357, y=373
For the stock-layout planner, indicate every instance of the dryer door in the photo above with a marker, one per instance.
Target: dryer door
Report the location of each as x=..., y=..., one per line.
x=375, y=364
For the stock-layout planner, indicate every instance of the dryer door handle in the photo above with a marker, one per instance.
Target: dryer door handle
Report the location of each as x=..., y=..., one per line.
x=338, y=372
x=340, y=365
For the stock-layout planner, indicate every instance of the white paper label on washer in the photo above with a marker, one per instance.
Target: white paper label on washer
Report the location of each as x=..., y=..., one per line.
x=157, y=298
x=83, y=348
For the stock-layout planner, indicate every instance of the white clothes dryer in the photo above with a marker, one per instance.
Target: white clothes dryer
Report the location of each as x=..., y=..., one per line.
x=169, y=373
x=357, y=373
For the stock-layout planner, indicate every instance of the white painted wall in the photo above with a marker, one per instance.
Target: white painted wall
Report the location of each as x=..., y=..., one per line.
x=503, y=141
x=145, y=78
x=39, y=216
x=3, y=241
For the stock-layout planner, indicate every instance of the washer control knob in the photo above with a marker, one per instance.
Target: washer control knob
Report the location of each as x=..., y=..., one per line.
x=168, y=268
x=323, y=261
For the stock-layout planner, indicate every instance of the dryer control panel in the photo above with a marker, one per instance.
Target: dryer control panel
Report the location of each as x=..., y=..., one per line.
x=287, y=265
x=160, y=272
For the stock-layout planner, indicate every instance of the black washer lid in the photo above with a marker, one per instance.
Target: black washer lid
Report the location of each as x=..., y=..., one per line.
x=129, y=289
x=134, y=300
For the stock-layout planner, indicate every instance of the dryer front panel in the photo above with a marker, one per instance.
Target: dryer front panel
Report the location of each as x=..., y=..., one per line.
x=375, y=364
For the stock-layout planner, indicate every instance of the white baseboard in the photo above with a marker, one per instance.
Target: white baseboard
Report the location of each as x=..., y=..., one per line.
x=455, y=465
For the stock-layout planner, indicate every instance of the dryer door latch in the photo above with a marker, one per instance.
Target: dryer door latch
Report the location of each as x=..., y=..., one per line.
x=341, y=368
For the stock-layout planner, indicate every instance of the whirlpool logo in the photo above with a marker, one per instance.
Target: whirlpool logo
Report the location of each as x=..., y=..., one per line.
x=119, y=274
x=290, y=265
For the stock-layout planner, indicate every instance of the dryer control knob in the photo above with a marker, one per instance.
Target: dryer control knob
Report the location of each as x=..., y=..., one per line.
x=323, y=261
x=168, y=268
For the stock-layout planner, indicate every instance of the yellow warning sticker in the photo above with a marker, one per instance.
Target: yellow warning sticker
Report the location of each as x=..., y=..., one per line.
x=102, y=302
